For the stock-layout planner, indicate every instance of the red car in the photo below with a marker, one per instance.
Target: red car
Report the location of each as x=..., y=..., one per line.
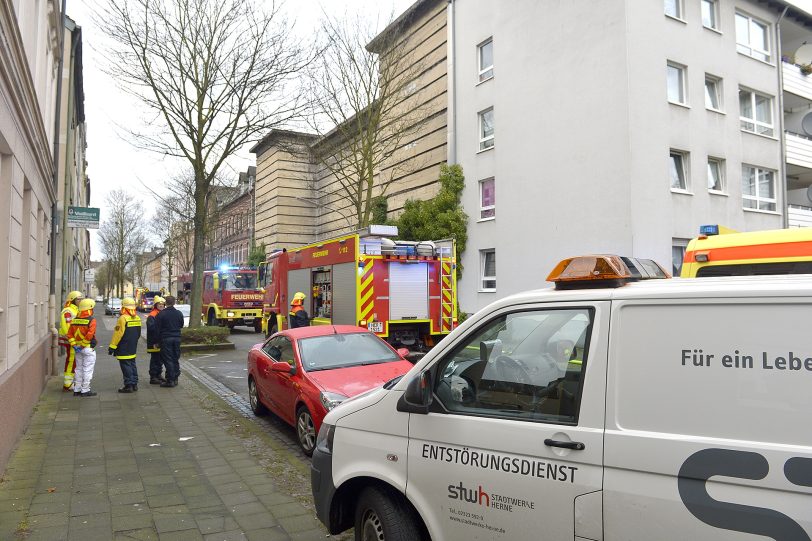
x=301, y=374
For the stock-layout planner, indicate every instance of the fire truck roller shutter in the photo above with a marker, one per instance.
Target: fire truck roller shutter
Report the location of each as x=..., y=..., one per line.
x=299, y=280
x=408, y=290
x=344, y=278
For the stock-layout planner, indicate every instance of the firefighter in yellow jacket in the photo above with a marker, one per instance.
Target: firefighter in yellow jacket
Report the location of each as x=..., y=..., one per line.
x=69, y=312
x=124, y=344
x=82, y=337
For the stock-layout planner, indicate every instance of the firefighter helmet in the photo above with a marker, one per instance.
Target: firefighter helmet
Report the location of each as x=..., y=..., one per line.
x=86, y=305
x=157, y=299
x=128, y=302
x=298, y=299
x=75, y=296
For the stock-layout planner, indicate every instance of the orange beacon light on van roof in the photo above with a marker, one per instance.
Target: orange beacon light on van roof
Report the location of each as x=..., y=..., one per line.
x=594, y=271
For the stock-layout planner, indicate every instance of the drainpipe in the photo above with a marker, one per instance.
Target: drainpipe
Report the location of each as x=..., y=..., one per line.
x=70, y=148
x=783, y=138
x=52, y=302
x=451, y=118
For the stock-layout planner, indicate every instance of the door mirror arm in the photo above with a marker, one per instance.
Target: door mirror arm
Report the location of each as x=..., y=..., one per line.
x=418, y=395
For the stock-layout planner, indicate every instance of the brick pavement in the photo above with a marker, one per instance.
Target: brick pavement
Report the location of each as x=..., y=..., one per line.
x=114, y=467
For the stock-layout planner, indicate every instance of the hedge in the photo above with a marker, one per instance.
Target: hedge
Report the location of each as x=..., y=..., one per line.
x=204, y=335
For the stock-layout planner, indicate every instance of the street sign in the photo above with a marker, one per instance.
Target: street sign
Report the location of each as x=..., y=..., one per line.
x=86, y=217
x=90, y=276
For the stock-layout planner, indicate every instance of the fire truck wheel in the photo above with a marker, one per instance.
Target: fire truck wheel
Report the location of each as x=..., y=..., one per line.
x=258, y=325
x=271, y=327
x=212, y=319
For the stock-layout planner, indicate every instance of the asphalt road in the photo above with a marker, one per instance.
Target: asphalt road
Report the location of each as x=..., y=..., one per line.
x=229, y=367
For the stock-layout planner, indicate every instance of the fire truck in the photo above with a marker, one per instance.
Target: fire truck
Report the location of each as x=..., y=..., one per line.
x=231, y=297
x=405, y=292
x=143, y=299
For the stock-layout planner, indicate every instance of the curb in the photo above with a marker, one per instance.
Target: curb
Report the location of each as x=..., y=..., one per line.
x=208, y=347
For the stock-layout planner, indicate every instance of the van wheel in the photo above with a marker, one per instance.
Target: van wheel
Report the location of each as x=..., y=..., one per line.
x=305, y=430
x=257, y=406
x=381, y=517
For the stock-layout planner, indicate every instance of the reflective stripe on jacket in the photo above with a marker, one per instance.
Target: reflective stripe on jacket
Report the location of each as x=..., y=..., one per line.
x=65, y=317
x=82, y=331
x=125, y=337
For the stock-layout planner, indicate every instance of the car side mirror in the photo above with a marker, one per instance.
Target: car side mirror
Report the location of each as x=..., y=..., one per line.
x=488, y=348
x=417, y=397
x=403, y=352
x=281, y=366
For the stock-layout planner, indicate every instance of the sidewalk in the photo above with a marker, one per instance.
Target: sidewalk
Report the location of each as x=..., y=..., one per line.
x=148, y=465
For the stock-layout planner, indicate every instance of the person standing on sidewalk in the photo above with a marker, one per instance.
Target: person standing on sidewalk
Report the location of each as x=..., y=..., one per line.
x=170, y=322
x=68, y=313
x=124, y=344
x=82, y=339
x=153, y=344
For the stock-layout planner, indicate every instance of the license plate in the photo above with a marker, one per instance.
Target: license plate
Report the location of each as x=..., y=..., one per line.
x=375, y=326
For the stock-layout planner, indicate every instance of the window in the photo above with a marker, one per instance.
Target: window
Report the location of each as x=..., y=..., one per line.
x=677, y=255
x=280, y=349
x=713, y=93
x=752, y=37
x=486, y=129
x=487, y=199
x=487, y=270
x=709, y=14
x=676, y=169
x=525, y=366
x=715, y=174
x=673, y=8
x=758, y=188
x=756, y=112
x=676, y=84
x=485, y=60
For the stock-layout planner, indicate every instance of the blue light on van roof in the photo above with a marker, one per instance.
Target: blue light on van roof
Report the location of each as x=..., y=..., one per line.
x=712, y=229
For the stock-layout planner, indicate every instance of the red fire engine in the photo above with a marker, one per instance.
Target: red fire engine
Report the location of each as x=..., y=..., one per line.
x=231, y=297
x=405, y=292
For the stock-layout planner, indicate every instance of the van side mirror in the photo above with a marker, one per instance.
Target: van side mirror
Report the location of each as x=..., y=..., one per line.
x=417, y=397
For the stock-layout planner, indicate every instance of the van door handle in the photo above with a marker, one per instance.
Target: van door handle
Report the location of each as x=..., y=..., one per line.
x=576, y=445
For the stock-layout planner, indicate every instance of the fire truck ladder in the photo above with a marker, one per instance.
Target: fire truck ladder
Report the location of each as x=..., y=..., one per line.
x=445, y=251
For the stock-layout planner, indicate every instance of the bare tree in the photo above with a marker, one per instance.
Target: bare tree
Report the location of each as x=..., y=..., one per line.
x=121, y=235
x=366, y=108
x=216, y=74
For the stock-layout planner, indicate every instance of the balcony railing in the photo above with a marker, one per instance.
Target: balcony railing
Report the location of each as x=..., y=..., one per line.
x=799, y=216
x=796, y=82
x=799, y=149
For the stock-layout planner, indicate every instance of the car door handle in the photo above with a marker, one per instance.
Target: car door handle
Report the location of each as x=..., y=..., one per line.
x=575, y=445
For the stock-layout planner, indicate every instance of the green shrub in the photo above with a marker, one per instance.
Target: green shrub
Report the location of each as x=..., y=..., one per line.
x=204, y=335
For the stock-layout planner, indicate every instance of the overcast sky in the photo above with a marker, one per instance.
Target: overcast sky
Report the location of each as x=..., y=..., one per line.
x=112, y=161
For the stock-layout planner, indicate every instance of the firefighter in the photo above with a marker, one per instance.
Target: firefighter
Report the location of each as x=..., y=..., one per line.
x=169, y=323
x=82, y=339
x=124, y=344
x=298, y=315
x=153, y=343
x=68, y=313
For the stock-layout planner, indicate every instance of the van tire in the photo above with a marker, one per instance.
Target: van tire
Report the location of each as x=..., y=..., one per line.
x=380, y=516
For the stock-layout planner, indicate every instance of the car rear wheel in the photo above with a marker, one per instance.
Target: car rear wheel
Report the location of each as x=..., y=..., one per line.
x=253, y=397
x=305, y=430
x=381, y=516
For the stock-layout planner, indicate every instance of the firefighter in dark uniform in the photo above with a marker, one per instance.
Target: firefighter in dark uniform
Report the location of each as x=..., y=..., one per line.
x=169, y=323
x=124, y=344
x=298, y=315
x=153, y=344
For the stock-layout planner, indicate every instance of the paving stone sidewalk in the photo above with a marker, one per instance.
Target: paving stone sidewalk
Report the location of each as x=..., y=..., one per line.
x=148, y=465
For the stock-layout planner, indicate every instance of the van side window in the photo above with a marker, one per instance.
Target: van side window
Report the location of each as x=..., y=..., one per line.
x=525, y=366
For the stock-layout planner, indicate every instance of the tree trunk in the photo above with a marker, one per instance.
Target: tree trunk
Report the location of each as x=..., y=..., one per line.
x=196, y=309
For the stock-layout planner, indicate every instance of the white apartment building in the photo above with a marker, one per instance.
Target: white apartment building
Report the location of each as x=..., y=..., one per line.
x=28, y=81
x=621, y=127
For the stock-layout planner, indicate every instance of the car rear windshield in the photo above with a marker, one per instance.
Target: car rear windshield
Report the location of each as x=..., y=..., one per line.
x=343, y=350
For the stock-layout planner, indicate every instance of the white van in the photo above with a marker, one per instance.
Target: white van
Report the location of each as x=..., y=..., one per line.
x=609, y=409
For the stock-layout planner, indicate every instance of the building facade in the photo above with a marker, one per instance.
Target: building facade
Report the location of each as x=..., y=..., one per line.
x=28, y=84
x=233, y=232
x=622, y=133
x=299, y=200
